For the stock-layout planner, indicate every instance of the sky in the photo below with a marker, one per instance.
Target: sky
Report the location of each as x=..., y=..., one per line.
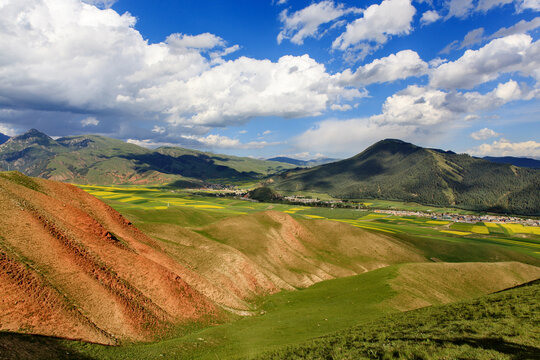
x=264, y=78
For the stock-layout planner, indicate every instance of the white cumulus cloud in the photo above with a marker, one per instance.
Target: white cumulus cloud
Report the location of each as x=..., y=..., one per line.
x=429, y=17
x=505, y=147
x=378, y=23
x=514, y=53
x=401, y=65
x=90, y=121
x=484, y=134
x=307, y=22
x=70, y=56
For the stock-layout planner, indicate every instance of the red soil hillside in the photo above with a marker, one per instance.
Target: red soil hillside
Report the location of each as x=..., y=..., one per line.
x=71, y=266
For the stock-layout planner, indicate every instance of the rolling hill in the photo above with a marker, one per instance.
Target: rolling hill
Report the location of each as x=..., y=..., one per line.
x=463, y=330
x=101, y=160
x=396, y=170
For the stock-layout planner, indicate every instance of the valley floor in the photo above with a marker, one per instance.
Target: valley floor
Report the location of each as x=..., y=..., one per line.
x=352, y=279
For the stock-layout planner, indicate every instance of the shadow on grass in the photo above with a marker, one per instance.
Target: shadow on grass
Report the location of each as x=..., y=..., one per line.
x=36, y=347
x=516, y=351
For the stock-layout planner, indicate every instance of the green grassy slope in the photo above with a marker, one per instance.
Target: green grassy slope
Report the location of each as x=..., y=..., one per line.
x=503, y=325
x=395, y=170
x=101, y=160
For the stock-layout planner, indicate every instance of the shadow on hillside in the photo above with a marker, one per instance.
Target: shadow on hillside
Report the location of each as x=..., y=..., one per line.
x=201, y=166
x=516, y=351
x=36, y=347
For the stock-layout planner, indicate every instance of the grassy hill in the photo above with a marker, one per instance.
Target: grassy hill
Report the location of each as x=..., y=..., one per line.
x=101, y=160
x=396, y=170
x=502, y=325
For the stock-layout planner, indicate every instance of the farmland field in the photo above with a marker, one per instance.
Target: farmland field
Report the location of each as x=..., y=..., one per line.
x=145, y=204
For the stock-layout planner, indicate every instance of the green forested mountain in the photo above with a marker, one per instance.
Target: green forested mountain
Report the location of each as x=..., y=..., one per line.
x=396, y=170
x=517, y=161
x=101, y=160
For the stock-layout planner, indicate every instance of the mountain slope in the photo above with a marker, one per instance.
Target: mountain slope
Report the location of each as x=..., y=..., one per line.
x=3, y=138
x=306, y=163
x=502, y=325
x=101, y=160
x=396, y=170
x=517, y=161
x=73, y=267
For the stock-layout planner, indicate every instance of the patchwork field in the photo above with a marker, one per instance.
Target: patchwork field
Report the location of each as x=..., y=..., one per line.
x=146, y=203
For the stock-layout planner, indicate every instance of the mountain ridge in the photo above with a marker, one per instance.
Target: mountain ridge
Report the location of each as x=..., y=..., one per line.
x=513, y=160
x=396, y=170
x=297, y=162
x=99, y=159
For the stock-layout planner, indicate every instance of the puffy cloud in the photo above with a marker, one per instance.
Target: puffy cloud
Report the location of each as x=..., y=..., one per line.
x=529, y=5
x=348, y=136
x=90, y=121
x=415, y=114
x=397, y=66
x=306, y=22
x=71, y=57
x=429, y=17
x=522, y=26
x=391, y=17
x=201, y=41
x=505, y=55
x=484, y=134
x=238, y=90
x=504, y=147
x=418, y=105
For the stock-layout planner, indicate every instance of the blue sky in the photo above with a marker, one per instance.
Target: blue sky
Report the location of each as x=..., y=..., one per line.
x=264, y=78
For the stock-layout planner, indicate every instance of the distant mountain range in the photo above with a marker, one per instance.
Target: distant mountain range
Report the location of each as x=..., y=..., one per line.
x=303, y=163
x=101, y=160
x=3, y=138
x=517, y=161
x=396, y=170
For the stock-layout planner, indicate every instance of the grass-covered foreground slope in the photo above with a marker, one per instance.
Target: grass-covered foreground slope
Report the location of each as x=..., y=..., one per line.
x=101, y=160
x=395, y=170
x=503, y=325
x=293, y=317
